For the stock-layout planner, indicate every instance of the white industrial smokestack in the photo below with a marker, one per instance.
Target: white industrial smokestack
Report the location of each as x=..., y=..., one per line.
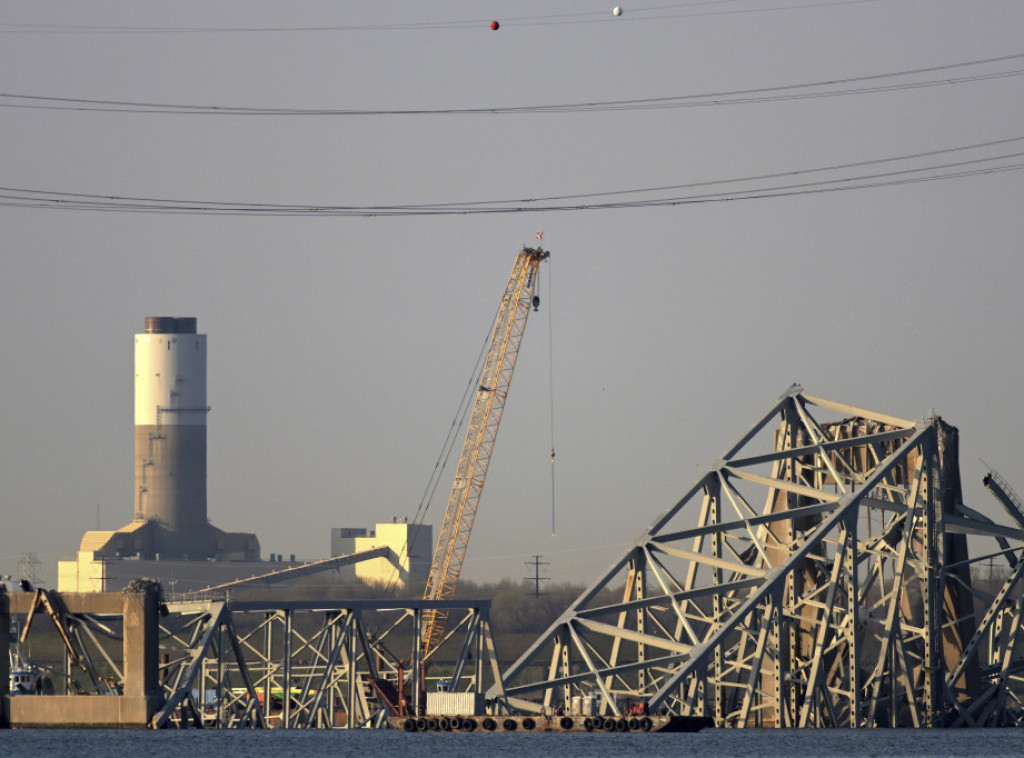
x=170, y=436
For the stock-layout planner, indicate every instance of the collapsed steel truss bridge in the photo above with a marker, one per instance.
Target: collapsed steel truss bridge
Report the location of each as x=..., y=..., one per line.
x=310, y=664
x=134, y=659
x=817, y=575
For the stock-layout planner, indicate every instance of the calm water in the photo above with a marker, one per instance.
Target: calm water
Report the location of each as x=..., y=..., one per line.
x=751, y=743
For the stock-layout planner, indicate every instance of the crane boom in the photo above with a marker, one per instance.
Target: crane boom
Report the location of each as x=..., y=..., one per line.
x=492, y=391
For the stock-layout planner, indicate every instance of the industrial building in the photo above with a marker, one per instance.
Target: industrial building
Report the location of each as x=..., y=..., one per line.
x=410, y=547
x=169, y=537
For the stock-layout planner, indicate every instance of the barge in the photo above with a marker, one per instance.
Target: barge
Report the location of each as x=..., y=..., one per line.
x=550, y=723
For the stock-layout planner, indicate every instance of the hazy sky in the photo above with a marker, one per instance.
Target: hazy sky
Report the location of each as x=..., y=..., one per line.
x=339, y=345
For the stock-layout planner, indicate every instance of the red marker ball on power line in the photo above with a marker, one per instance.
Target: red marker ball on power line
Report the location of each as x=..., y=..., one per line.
x=494, y=26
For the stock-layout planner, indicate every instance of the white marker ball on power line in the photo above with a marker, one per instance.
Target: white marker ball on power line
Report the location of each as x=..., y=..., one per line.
x=616, y=11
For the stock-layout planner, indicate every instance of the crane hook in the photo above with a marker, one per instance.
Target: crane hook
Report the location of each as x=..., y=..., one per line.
x=536, y=302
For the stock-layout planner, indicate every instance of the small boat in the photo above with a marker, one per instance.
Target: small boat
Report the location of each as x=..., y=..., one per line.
x=25, y=677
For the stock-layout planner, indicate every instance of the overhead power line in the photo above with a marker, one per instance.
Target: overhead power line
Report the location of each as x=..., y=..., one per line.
x=700, y=8
x=858, y=85
x=749, y=188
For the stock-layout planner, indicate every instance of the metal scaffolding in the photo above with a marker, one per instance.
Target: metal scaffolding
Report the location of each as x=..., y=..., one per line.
x=817, y=575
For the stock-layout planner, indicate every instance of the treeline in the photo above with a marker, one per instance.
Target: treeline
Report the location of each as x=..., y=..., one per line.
x=515, y=606
x=516, y=609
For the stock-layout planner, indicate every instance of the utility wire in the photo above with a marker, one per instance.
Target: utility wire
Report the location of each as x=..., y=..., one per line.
x=30, y=198
x=634, y=15
x=551, y=392
x=800, y=91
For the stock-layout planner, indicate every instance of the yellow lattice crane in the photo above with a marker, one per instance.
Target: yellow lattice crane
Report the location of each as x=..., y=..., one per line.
x=491, y=393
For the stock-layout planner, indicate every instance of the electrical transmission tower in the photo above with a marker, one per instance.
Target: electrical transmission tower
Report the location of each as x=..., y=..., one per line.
x=536, y=578
x=27, y=567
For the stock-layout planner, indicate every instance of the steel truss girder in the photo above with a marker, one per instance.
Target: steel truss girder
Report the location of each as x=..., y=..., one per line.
x=807, y=578
x=88, y=651
x=253, y=664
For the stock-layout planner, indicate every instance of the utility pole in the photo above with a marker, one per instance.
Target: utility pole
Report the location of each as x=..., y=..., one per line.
x=536, y=578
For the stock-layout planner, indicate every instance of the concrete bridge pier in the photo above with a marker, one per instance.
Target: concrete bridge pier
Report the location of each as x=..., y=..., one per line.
x=5, y=660
x=142, y=696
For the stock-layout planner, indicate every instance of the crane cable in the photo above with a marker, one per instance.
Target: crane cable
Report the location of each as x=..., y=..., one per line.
x=454, y=433
x=458, y=423
x=551, y=393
